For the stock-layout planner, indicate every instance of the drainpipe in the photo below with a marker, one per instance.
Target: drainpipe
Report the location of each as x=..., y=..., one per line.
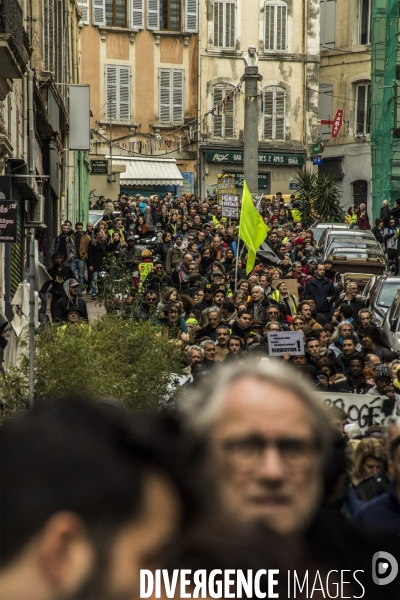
x=31, y=124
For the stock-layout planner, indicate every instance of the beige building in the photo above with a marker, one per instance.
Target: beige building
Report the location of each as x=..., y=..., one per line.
x=345, y=82
x=286, y=35
x=140, y=59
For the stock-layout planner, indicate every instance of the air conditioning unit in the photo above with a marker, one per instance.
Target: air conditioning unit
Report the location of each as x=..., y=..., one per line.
x=34, y=212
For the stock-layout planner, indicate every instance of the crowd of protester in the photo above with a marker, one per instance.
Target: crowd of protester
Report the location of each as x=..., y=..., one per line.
x=249, y=469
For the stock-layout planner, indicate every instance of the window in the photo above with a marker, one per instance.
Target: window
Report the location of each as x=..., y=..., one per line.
x=364, y=21
x=224, y=122
x=83, y=6
x=275, y=25
x=325, y=109
x=274, y=100
x=327, y=17
x=167, y=15
x=363, y=108
x=224, y=24
x=118, y=13
x=171, y=95
x=118, y=92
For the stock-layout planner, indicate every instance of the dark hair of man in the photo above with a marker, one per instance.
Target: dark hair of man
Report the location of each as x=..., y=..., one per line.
x=90, y=458
x=78, y=224
x=222, y=327
x=311, y=339
x=56, y=255
x=357, y=356
x=238, y=339
x=303, y=303
x=228, y=305
x=243, y=312
x=351, y=337
x=346, y=311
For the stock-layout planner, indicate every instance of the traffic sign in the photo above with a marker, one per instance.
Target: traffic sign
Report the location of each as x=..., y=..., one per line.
x=317, y=160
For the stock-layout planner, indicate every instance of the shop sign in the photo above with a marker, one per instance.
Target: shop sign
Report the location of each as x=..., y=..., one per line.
x=264, y=158
x=8, y=221
x=99, y=167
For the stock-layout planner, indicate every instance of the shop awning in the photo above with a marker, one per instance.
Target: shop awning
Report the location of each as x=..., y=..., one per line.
x=147, y=171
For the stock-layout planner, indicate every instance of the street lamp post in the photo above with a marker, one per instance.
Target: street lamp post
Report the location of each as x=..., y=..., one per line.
x=251, y=78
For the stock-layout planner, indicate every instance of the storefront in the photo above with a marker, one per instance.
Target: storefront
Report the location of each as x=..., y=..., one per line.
x=275, y=169
x=147, y=176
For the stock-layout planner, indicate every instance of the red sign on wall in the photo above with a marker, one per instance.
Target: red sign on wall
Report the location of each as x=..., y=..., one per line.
x=337, y=123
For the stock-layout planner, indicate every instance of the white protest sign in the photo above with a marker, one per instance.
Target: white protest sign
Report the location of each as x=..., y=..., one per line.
x=281, y=342
x=230, y=206
x=362, y=409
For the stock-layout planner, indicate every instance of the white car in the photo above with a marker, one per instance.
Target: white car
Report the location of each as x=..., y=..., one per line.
x=391, y=324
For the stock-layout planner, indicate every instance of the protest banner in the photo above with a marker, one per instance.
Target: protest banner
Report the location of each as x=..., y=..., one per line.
x=283, y=342
x=226, y=196
x=362, y=409
x=230, y=206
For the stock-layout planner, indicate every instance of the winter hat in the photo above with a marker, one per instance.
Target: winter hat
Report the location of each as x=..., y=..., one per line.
x=178, y=235
x=299, y=240
x=147, y=254
x=192, y=321
x=382, y=371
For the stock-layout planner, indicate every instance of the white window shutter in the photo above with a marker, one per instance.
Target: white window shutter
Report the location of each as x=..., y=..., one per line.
x=279, y=114
x=217, y=118
x=269, y=28
x=111, y=86
x=229, y=115
x=268, y=114
x=230, y=10
x=281, y=27
x=83, y=6
x=218, y=24
x=153, y=15
x=191, y=16
x=164, y=86
x=178, y=94
x=137, y=14
x=124, y=92
x=98, y=12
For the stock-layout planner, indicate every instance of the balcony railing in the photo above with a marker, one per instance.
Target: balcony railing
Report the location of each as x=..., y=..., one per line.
x=11, y=23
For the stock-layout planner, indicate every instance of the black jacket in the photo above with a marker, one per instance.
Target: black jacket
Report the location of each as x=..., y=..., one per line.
x=206, y=331
x=385, y=216
x=60, y=308
x=157, y=282
x=320, y=290
x=346, y=387
x=96, y=255
x=58, y=280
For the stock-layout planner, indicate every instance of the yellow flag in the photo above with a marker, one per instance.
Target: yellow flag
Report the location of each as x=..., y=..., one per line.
x=252, y=229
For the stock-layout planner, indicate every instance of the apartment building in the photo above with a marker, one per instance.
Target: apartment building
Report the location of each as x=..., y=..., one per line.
x=286, y=36
x=345, y=82
x=141, y=61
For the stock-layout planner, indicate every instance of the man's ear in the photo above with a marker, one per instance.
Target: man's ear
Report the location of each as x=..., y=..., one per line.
x=65, y=553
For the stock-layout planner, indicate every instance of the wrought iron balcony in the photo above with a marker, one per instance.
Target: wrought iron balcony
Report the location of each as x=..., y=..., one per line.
x=13, y=52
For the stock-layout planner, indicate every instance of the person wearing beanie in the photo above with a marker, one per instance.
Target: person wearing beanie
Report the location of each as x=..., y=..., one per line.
x=175, y=254
x=383, y=384
x=298, y=253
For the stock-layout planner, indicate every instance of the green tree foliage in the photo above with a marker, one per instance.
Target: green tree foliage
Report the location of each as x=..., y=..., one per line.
x=115, y=357
x=318, y=197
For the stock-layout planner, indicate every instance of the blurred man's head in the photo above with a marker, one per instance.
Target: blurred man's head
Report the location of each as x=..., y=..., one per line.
x=270, y=439
x=88, y=498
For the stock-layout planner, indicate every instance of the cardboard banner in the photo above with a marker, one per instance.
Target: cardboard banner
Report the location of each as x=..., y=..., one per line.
x=8, y=221
x=283, y=342
x=225, y=187
x=362, y=409
x=291, y=283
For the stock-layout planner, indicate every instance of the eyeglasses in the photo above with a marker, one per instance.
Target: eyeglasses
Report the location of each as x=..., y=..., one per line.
x=298, y=324
x=246, y=454
x=151, y=299
x=273, y=313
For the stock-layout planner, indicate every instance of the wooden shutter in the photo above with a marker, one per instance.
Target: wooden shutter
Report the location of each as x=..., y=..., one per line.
x=124, y=94
x=230, y=10
x=98, y=12
x=218, y=131
x=83, y=6
x=178, y=94
x=164, y=86
x=281, y=27
x=153, y=15
x=269, y=26
x=229, y=114
x=191, y=16
x=268, y=113
x=279, y=114
x=49, y=42
x=137, y=14
x=218, y=24
x=111, y=83
x=325, y=108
